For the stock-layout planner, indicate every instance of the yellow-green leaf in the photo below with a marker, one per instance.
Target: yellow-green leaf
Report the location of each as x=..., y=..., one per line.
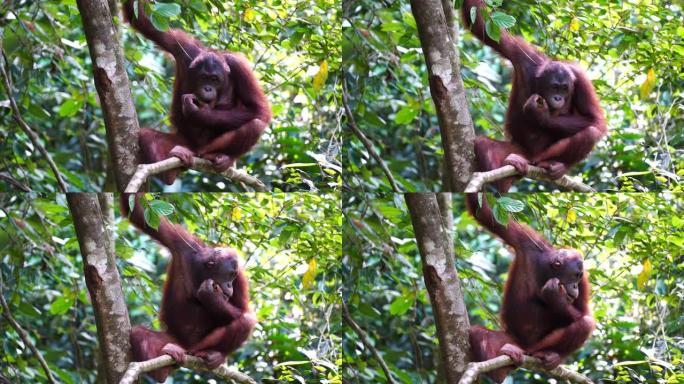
x=310, y=274
x=320, y=77
x=572, y=216
x=648, y=84
x=644, y=274
x=574, y=25
x=249, y=14
x=236, y=215
x=401, y=305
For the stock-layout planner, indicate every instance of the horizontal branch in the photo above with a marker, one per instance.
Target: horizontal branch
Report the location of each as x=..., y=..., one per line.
x=479, y=179
x=144, y=171
x=529, y=362
x=135, y=369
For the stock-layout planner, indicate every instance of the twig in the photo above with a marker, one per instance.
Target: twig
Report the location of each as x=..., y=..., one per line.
x=366, y=142
x=479, y=179
x=146, y=170
x=17, y=184
x=135, y=369
x=529, y=362
x=364, y=339
x=7, y=314
x=25, y=127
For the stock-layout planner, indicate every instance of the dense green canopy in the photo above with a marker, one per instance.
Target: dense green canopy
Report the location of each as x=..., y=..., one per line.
x=632, y=244
x=633, y=51
x=290, y=245
x=293, y=46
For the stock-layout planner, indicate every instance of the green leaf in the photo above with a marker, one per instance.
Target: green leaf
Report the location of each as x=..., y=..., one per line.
x=391, y=212
x=159, y=22
x=166, y=9
x=198, y=5
x=61, y=305
x=70, y=107
x=503, y=20
x=131, y=203
x=38, y=111
x=511, y=205
x=500, y=214
x=374, y=119
x=400, y=305
x=493, y=31
x=151, y=218
x=161, y=207
x=406, y=115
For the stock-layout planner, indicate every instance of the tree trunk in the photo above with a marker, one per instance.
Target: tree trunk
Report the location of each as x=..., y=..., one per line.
x=437, y=37
x=113, y=88
x=442, y=283
x=102, y=279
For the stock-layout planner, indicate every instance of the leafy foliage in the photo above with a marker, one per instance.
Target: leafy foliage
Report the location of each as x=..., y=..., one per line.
x=386, y=296
x=633, y=52
x=294, y=46
x=632, y=245
x=290, y=244
x=632, y=248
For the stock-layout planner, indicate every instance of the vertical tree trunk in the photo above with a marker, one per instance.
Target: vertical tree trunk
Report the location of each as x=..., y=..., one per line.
x=102, y=279
x=442, y=283
x=437, y=37
x=447, y=215
x=113, y=88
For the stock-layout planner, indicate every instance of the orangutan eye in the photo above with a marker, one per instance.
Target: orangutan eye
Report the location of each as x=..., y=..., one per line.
x=556, y=264
x=211, y=264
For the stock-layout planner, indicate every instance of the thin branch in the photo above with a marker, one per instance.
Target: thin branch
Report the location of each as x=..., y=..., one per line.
x=135, y=369
x=35, y=140
x=146, y=170
x=7, y=314
x=529, y=362
x=16, y=183
x=364, y=339
x=366, y=142
x=479, y=179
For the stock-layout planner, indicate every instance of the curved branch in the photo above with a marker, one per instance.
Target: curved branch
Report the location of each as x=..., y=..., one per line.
x=365, y=140
x=364, y=339
x=7, y=314
x=136, y=368
x=32, y=135
x=529, y=362
x=146, y=170
x=479, y=179
x=16, y=183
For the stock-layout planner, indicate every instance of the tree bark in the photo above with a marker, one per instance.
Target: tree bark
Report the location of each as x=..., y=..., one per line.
x=442, y=283
x=447, y=215
x=113, y=88
x=102, y=279
x=437, y=37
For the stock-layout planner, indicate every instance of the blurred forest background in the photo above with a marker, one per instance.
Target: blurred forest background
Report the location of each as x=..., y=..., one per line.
x=294, y=46
x=633, y=51
x=290, y=244
x=632, y=246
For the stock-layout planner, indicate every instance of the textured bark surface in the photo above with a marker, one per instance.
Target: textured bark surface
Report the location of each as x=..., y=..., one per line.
x=437, y=37
x=113, y=88
x=442, y=283
x=102, y=279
